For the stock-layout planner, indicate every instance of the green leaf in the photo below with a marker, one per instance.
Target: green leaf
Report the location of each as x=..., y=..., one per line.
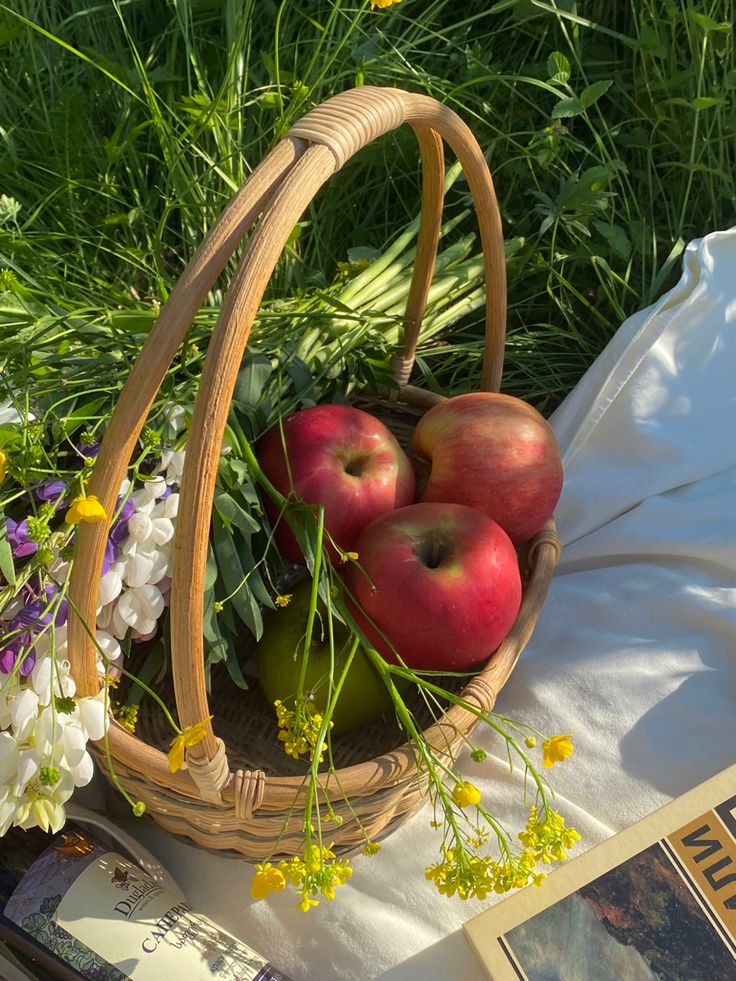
x=81, y=413
x=252, y=380
x=558, y=67
x=232, y=575
x=210, y=572
x=616, y=238
x=698, y=104
x=707, y=102
x=6, y=554
x=707, y=24
x=233, y=514
x=301, y=378
x=565, y=108
x=592, y=93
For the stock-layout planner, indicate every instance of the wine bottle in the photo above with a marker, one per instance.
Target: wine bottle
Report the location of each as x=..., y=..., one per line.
x=81, y=910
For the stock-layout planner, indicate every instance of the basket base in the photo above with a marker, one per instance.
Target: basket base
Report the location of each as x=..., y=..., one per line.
x=247, y=723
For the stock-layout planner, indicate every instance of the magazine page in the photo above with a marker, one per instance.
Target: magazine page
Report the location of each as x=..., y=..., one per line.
x=656, y=900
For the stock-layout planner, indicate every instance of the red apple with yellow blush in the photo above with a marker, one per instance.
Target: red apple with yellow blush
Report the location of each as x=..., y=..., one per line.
x=491, y=452
x=342, y=458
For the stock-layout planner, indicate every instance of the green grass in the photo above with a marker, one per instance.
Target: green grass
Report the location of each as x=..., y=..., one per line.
x=126, y=126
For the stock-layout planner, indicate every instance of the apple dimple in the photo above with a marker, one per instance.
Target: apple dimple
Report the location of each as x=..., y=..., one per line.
x=355, y=465
x=434, y=551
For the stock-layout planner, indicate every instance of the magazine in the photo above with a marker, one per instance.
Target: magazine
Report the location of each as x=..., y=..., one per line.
x=657, y=900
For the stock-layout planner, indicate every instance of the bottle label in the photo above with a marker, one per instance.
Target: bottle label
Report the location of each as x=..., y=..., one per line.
x=112, y=922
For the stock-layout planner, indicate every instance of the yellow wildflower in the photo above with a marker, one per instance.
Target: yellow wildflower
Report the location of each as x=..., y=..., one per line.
x=557, y=749
x=371, y=848
x=349, y=557
x=383, y=4
x=284, y=600
x=265, y=880
x=531, y=742
x=190, y=737
x=306, y=903
x=126, y=715
x=88, y=509
x=465, y=794
x=3, y=465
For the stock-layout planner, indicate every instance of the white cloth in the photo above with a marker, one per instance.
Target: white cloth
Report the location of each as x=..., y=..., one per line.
x=633, y=653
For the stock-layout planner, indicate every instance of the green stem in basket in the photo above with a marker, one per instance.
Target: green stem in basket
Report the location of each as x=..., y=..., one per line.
x=431, y=761
x=488, y=717
x=313, y=598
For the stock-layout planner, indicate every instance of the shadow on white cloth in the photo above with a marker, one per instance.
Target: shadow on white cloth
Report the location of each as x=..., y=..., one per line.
x=634, y=652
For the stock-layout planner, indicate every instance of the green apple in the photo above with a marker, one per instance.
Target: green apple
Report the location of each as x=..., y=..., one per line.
x=363, y=698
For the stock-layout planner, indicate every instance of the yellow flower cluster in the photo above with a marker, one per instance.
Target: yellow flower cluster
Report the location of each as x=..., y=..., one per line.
x=317, y=874
x=299, y=729
x=474, y=876
x=126, y=715
x=548, y=838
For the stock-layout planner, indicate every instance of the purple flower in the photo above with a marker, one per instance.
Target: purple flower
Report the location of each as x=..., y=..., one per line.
x=119, y=530
x=51, y=493
x=36, y=612
x=111, y=554
x=87, y=450
x=18, y=650
x=20, y=544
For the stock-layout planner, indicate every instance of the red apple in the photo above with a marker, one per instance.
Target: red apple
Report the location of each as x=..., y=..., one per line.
x=494, y=453
x=340, y=457
x=437, y=583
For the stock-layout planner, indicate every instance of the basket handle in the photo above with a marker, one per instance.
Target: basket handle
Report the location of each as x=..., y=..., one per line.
x=283, y=185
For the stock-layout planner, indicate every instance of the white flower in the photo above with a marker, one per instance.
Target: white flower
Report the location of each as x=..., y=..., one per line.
x=11, y=685
x=9, y=757
x=10, y=415
x=138, y=561
x=83, y=772
x=52, y=676
x=43, y=806
x=140, y=526
x=172, y=465
x=92, y=715
x=139, y=608
x=111, y=584
x=23, y=713
x=104, y=616
x=175, y=417
x=154, y=487
x=28, y=767
x=113, y=653
x=8, y=805
x=169, y=507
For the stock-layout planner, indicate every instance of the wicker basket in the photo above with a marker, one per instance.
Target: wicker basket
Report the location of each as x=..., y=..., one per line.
x=243, y=798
